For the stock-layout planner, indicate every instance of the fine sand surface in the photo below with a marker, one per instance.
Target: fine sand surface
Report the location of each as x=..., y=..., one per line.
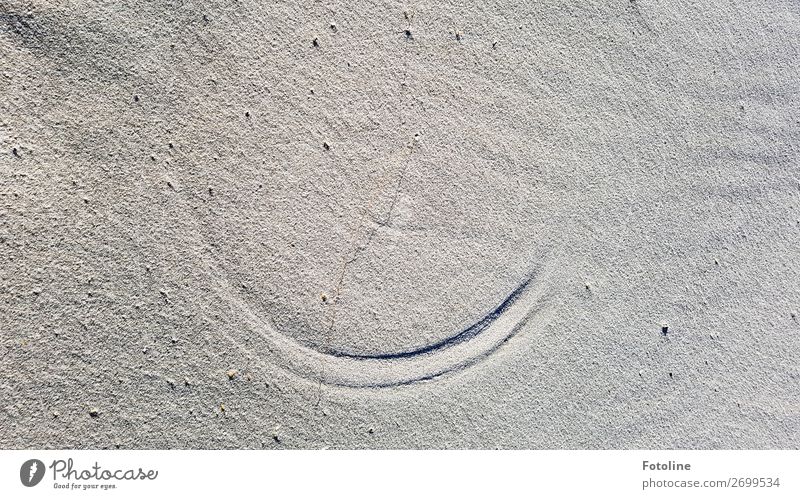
x=247, y=224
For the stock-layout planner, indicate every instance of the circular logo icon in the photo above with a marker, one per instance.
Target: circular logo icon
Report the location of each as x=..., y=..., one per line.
x=31, y=472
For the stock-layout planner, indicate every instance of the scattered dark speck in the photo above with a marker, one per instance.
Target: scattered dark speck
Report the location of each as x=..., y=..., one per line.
x=247, y=114
x=135, y=98
x=315, y=42
x=670, y=375
x=408, y=34
x=15, y=152
x=664, y=329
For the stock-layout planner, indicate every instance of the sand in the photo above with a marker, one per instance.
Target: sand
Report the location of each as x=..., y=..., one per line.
x=556, y=224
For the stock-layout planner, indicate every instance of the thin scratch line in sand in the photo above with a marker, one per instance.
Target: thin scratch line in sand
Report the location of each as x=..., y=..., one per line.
x=359, y=248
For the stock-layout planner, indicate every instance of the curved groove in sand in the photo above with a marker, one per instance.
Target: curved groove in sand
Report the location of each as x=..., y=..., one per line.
x=465, y=335
x=455, y=353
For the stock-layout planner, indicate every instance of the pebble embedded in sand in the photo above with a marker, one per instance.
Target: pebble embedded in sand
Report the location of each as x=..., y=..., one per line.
x=664, y=328
x=232, y=373
x=275, y=435
x=94, y=412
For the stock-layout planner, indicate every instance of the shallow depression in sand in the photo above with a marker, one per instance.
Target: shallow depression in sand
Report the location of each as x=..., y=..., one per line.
x=372, y=246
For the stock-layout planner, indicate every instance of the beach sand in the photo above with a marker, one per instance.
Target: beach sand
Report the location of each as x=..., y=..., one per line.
x=556, y=224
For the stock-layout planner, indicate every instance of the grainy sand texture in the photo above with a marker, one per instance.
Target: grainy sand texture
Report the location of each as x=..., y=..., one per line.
x=497, y=224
